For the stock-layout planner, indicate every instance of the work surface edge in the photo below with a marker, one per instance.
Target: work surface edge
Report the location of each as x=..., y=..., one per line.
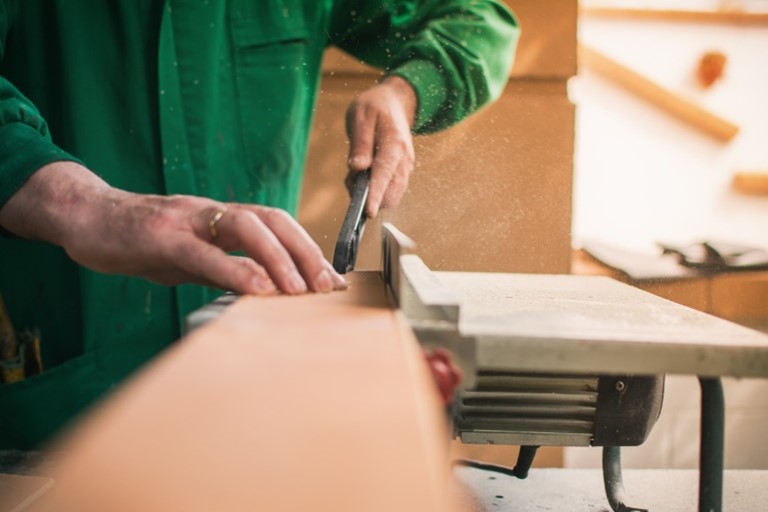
x=567, y=323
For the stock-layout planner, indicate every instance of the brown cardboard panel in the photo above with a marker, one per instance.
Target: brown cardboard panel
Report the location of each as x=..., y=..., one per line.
x=693, y=293
x=491, y=194
x=546, y=457
x=584, y=264
x=546, y=49
x=339, y=62
x=740, y=296
x=307, y=403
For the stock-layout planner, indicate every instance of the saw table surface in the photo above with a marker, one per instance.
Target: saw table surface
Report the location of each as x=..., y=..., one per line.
x=555, y=323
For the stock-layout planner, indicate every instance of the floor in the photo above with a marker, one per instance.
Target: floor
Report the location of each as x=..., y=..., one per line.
x=582, y=490
x=548, y=489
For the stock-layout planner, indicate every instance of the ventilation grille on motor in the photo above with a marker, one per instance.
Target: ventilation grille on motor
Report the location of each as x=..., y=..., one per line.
x=514, y=408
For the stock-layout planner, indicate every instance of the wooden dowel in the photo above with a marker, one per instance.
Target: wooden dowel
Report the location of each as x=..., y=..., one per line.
x=751, y=182
x=673, y=103
x=721, y=16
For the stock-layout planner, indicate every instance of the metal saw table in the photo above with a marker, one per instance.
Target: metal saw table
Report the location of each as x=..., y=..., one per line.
x=569, y=324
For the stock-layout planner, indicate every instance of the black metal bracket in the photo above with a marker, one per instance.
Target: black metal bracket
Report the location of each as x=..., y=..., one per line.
x=711, y=454
x=711, y=447
x=614, y=482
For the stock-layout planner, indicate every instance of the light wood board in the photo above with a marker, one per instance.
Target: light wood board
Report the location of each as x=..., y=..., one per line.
x=309, y=403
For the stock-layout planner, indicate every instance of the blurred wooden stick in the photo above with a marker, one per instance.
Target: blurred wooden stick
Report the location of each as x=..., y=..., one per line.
x=720, y=16
x=751, y=182
x=673, y=103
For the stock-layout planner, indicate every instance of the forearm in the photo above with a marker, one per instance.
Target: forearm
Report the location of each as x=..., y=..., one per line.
x=403, y=90
x=51, y=206
x=470, y=47
x=456, y=53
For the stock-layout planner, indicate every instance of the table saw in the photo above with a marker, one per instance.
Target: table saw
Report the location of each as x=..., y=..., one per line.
x=324, y=402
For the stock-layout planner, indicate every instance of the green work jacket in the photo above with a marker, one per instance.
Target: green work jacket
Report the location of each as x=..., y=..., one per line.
x=212, y=98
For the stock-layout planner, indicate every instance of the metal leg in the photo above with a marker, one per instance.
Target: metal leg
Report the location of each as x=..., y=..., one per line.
x=711, y=449
x=614, y=483
x=524, y=460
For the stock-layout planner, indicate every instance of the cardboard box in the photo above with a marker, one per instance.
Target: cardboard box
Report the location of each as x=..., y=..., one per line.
x=490, y=194
x=546, y=456
x=547, y=46
x=741, y=297
x=693, y=293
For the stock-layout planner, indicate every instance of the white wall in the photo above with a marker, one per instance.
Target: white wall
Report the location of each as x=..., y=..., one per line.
x=641, y=176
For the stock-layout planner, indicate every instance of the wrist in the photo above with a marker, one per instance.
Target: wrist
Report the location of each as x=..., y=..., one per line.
x=54, y=203
x=406, y=95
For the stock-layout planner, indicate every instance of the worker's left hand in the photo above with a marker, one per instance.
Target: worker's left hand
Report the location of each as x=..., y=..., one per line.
x=379, y=125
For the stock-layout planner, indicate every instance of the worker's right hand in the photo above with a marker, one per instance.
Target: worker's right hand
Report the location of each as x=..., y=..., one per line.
x=167, y=239
x=379, y=125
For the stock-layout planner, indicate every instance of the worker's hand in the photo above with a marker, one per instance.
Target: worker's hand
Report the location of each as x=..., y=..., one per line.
x=379, y=125
x=169, y=240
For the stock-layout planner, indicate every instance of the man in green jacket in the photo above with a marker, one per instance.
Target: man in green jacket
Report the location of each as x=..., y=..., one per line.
x=143, y=141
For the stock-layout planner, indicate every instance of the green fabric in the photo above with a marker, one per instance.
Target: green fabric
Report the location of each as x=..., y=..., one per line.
x=188, y=97
x=27, y=150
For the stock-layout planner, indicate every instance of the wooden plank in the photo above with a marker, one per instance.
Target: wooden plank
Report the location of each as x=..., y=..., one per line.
x=308, y=403
x=679, y=15
x=584, y=324
x=19, y=492
x=669, y=101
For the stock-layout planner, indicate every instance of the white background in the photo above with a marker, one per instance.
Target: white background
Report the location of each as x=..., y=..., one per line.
x=641, y=176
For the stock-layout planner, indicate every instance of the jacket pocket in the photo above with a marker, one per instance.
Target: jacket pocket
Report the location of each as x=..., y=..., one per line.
x=37, y=407
x=272, y=79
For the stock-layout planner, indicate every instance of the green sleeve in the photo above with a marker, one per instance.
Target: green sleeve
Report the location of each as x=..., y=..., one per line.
x=25, y=145
x=455, y=53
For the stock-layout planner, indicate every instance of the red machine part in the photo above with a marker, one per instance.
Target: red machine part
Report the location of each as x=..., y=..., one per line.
x=446, y=374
